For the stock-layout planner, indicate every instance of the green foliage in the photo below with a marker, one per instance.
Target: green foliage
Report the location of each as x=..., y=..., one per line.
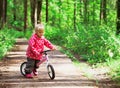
x=55, y=34
x=114, y=66
x=15, y=14
x=7, y=39
x=28, y=33
x=95, y=44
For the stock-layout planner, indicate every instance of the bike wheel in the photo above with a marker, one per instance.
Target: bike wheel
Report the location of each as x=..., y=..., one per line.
x=51, y=71
x=22, y=68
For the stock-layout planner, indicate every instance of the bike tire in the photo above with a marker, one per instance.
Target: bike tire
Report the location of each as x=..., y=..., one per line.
x=22, y=68
x=51, y=71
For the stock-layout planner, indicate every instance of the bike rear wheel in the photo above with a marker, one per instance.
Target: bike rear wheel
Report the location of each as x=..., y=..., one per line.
x=22, y=68
x=51, y=71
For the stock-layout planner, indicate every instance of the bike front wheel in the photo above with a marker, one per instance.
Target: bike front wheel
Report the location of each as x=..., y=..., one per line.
x=51, y=71
x=22, y=68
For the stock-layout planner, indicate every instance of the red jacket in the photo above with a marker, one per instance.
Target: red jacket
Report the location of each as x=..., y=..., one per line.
x=36, y=45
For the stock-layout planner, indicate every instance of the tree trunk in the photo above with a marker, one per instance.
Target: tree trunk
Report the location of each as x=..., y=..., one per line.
x=118, y=17
x=85, y=11
x=3, y=12
x=46, y=10
x=74, y=15
x=25, y=15
x=81, y=12
x=32, y=4
x=60, y=4
x=35, y=15
x=33, y=12
x=93, y=12
x=39, y=8
x=14, y=11
x=103, y=10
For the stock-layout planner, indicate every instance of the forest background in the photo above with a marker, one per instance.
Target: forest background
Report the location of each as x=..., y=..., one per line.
x=87, y=29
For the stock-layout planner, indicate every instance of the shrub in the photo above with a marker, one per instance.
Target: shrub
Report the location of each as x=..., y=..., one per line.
x=7, y=39
x=95, y=44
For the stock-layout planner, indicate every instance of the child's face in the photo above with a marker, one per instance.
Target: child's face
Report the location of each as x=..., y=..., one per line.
x=40, y=33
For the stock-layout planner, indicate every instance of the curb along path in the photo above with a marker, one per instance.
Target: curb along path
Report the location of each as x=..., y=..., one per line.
x=67, y=75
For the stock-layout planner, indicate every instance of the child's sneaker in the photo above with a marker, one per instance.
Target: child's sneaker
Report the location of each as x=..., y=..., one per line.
x=35, y=72
x=29, y=76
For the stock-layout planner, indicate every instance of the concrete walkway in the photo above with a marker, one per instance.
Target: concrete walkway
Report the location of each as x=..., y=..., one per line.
x=67, y=75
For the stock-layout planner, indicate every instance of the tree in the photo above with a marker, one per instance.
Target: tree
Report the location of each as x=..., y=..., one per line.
x=25, y=15
x=46, y=10
x=85, y=11
x=39, y=9
x=35, y=14
x=59, y=5
x=14, y=10
x=75, y=15
x=103, y=10
x=118, y=17
x=36, y=7
x=32, y=4
x=3, y=12
x=81, y=9
x=93, y=11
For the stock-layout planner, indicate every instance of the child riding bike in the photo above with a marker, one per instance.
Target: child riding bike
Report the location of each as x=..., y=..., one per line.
x=35, y=46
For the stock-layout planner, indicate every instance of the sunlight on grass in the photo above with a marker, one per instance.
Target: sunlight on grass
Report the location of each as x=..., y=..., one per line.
x=114, y=66
x=85, y=68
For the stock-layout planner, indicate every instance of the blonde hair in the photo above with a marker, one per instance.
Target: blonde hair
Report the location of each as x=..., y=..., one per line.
x=39, y=27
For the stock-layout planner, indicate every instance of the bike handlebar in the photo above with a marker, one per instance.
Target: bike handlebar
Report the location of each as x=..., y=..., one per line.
x=45, y=52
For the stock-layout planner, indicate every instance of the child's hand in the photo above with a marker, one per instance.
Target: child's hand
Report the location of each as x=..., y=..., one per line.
x=53, y=49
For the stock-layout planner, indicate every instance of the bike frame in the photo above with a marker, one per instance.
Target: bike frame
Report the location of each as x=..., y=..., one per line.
x=44, y=58
x=50, y=69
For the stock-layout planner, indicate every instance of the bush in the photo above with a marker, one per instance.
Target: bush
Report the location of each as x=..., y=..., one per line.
x=96, y=44
x=55, y=35
x=7, y=39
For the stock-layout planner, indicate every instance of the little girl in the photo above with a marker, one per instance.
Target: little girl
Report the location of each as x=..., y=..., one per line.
x=35, y=46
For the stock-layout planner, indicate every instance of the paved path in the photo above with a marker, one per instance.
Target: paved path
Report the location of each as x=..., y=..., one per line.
x=67, y=75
